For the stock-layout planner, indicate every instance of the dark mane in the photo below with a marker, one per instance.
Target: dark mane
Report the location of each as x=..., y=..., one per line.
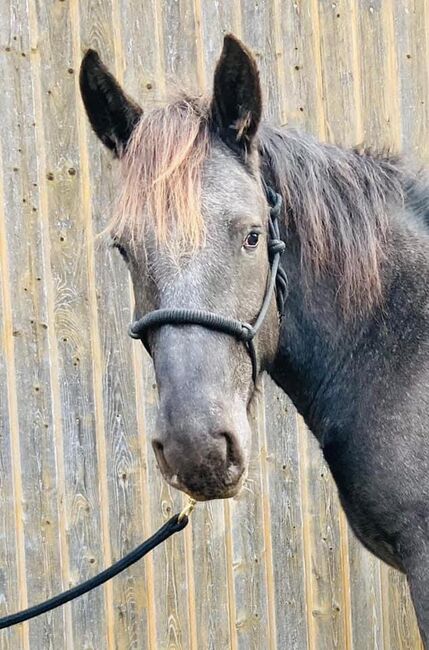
x=338, y=203
x=416, y=190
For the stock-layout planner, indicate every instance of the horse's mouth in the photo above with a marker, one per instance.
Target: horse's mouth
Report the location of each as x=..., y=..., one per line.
x=207, y=487
x=207, y=495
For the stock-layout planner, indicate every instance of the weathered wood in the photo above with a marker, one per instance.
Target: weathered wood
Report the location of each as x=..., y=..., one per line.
x=326, y=580
x=380, y=115
x=68, y=241
x=411, y=19
x=297, y=37
x=258, y=30
x=249, y=552
x=35, y=469
x=79, y=485
x=286, y=520
x=11, y=534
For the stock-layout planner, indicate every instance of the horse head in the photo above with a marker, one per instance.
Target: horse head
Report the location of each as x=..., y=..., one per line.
x=192, y=226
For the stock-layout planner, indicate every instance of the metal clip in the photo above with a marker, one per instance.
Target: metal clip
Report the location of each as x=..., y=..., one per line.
x=187, y=509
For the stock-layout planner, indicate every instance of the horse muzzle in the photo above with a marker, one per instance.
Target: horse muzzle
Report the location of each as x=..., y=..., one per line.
x=204, y=463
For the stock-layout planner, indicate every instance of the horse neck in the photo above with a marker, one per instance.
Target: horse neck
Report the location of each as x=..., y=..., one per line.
x=329, y=364
x=315, y=341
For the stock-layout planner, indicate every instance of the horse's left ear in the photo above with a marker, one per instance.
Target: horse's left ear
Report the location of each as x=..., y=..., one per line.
x=113, y=115
x=237, y=100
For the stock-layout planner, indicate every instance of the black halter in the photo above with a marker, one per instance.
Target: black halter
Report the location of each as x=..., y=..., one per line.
x=241, y=331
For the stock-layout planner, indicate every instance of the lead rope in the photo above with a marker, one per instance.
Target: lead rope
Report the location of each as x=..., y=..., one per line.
x=174, y=525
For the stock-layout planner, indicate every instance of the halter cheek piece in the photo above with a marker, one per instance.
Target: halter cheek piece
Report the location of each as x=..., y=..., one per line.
x=238, y=329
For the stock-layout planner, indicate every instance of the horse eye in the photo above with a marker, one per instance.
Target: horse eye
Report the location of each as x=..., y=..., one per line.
x=122, y=251
x=251, y=240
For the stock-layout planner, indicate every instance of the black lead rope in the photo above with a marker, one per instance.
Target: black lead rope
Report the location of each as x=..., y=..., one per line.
x=173, y=525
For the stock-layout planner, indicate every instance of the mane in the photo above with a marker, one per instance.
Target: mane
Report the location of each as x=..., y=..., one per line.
x=337, y=201
x=161, y=174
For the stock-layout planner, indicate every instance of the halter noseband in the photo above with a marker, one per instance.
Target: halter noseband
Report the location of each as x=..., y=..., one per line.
x=238, y=329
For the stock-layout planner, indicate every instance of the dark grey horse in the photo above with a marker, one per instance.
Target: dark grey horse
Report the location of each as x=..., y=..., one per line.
x=351, y=347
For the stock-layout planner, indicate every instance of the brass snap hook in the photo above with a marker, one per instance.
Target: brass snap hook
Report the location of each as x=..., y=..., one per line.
x=187, y=509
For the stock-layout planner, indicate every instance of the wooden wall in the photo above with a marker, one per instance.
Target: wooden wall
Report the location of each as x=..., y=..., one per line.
x=277, y=567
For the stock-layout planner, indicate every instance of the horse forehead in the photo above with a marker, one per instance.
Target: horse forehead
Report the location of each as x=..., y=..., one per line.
x=193, y=282
x=226, y=180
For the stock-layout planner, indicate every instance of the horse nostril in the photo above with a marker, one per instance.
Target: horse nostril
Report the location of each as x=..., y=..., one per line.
x=233, y=453
x=158, y=448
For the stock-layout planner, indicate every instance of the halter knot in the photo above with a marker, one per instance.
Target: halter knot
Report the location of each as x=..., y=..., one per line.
x=275, y=201
x=275, y=247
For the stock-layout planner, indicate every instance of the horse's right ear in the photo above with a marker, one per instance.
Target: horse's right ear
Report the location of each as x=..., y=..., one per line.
x=237, y=100
x=112, y=114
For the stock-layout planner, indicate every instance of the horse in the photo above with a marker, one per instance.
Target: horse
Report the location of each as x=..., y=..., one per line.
x=349, y=344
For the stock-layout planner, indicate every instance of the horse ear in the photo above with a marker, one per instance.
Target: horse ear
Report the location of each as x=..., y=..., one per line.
x=111, y=113
x=237, y=99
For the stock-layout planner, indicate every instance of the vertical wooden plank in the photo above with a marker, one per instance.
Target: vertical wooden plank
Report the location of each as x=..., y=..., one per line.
x=11, y=537
x=340, y=71
x=330, y=586
x=143, y=51
x=218, y=19
x=297, y=34
x=286, y=528
x=232, y=603
x=182, y=62
x=212, y=529
x=253, y=569
x=98, y=370
x=281, y=434
x=411, y=21
x=68, y=257
x=403, y=629
x=366, y=597
x=258, y=31
x=144, y=77
x=37, y=504
x=379, y=83
x=249, y=553
x=50, y=305
x=270, y=576
x=211, y=594
x=325, y=586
